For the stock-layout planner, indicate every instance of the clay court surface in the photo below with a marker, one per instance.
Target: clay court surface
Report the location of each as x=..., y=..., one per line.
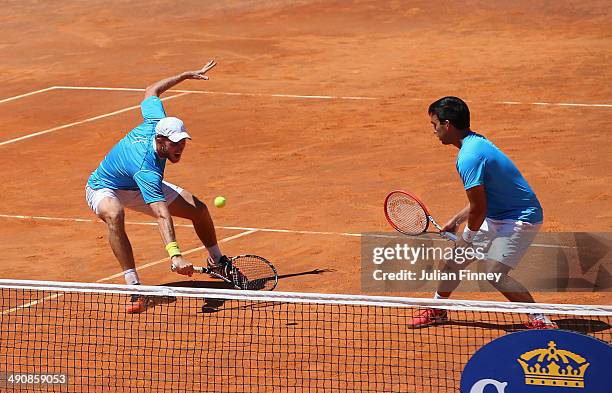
x=302, y=164
x=330, y=113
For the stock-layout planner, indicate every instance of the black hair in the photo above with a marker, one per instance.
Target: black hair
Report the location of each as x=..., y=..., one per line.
x=453, y=109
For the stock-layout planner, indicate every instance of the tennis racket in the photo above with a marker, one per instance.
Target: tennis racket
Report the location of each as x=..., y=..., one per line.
x=408, y=215
x=250, y=272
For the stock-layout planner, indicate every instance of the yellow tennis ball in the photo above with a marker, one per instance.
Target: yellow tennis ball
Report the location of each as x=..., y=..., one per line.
x=220, y=201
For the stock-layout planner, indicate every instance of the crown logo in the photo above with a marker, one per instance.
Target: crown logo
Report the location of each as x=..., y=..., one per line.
x=553, y=367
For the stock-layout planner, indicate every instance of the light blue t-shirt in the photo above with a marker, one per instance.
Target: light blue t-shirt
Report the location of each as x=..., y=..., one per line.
x=509, y=196
x=133, y=164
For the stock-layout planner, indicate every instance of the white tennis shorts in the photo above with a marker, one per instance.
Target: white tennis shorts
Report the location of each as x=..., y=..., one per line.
x=506, y=241
x=132, y=199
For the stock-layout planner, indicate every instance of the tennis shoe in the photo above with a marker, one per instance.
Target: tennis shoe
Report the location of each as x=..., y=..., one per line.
x=228, y=271
x=541, y=324
x=137, y=304
x=429, y=317
x=221, y=268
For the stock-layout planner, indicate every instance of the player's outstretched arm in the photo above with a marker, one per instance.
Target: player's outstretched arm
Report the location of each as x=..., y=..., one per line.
x=166, y=229
x=158, y=88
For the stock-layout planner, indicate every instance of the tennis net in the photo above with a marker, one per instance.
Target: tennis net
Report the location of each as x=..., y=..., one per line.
x=200, y=339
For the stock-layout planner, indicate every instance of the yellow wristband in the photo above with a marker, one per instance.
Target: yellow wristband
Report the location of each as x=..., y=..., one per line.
x=173, y=249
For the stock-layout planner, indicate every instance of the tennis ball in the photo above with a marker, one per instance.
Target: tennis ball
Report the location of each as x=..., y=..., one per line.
x=220, y=201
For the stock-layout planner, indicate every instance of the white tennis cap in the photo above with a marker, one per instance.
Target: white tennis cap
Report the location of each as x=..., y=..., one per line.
x=172, y=128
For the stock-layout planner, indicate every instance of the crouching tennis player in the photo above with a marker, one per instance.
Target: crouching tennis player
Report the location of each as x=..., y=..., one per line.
x=131, y=176
x=503, y=214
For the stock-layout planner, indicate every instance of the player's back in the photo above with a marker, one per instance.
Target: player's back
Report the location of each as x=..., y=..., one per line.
x=134, y=152
x=509, y=196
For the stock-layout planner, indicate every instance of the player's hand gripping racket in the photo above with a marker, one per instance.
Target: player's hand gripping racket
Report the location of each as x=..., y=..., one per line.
x=249, y=272
x=408, y=215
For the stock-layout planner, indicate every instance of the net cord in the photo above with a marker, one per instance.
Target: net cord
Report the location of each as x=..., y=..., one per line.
x=317, y=298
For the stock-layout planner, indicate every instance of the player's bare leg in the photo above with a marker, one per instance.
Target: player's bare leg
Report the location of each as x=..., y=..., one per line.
x=188, y=206
x=112, y=213
x=432, y=316
x=446, y=287
x=508, y=286
x=516, y=292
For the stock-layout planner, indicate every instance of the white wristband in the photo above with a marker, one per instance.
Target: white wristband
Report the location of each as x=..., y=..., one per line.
x=468, y=234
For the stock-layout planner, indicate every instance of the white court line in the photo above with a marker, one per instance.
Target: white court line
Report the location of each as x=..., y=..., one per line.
x=70, y=219
x=30, y=304
x=554, y=104
x=27, y=94
x=326, y=97
x=82, y=121
x=366, y=235
x=140, y=268
x=570, y=104
x=315, y=97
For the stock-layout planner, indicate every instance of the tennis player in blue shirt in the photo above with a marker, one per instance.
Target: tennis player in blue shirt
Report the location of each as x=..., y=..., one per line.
x=503, y=214
x=131, y=175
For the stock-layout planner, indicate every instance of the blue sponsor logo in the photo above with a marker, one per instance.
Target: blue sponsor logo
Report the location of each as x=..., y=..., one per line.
x=540, y=361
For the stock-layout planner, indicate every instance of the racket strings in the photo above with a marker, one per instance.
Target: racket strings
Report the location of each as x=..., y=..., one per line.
x=258, y=273
x=406, y=214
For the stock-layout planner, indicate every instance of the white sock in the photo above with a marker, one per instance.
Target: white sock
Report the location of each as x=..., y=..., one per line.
x=131, y=277
x=215, y=253
x=438, y=296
